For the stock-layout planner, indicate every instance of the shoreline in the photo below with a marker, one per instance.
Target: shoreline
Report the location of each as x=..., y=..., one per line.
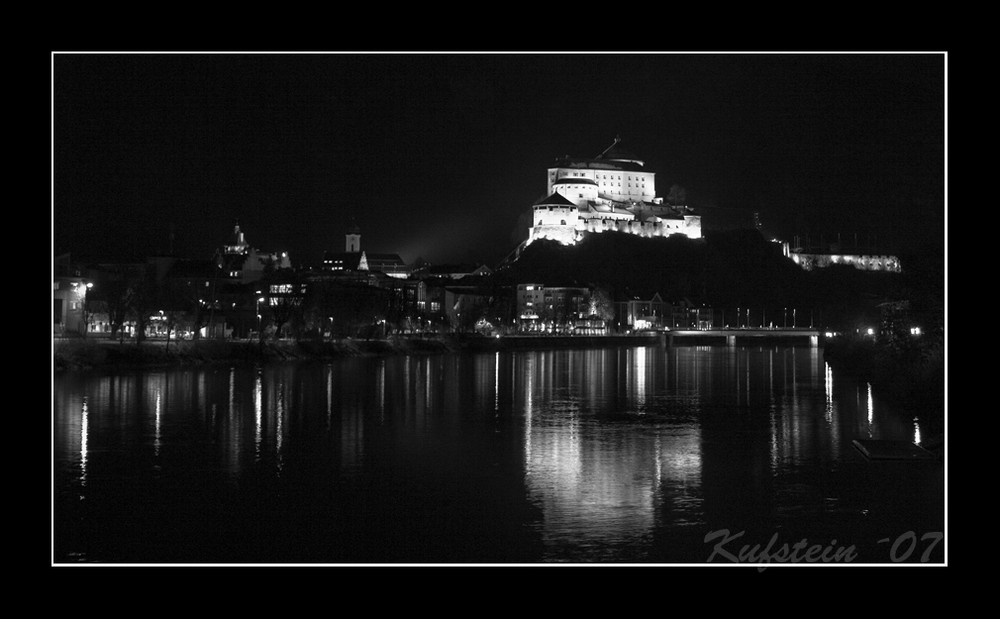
x=86, y=354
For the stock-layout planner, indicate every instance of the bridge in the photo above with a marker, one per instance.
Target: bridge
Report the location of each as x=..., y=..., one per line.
x=732, y=336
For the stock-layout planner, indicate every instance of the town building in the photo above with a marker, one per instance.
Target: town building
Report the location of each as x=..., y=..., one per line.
x=610, y=192
x=69, y=295
x=244, y=263
x=552, y=309
x=450, y=271
x=643, y=312
x=354, y=259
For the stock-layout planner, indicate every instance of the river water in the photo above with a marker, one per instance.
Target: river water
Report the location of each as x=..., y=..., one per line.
x=615, y=455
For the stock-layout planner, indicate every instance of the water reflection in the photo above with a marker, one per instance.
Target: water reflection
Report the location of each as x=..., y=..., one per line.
x=84, y=430
x=616, y=454
x=258, y=413
x=593, y=464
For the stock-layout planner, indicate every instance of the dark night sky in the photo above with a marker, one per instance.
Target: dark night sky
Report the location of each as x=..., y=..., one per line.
x=438, y=155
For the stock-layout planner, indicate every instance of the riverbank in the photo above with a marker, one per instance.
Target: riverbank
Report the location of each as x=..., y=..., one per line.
x=95, y=353
x=912, y=375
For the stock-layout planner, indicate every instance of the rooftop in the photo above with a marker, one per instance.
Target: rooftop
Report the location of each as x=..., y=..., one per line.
x=554, y=199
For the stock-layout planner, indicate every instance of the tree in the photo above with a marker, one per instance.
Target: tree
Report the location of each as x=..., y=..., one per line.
x=284, y=311
x=114, y=294
x=473, y=309
x=140, y=299
x=600, y=305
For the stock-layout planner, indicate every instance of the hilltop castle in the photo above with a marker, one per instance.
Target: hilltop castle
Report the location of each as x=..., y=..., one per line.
x=610, y=192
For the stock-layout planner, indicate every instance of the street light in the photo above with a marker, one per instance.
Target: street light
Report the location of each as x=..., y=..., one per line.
x=259, y=301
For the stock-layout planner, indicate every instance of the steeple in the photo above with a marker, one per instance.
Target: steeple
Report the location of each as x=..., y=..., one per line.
x=353, y=239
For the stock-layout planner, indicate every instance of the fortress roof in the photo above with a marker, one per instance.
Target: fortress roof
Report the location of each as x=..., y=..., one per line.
x=555, y=199
x=613, y=157
x=599, y=164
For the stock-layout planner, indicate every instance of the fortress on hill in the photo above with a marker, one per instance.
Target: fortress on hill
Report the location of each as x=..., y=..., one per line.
x=610, y=192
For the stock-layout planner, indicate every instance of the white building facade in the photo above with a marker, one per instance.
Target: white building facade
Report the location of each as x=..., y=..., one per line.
x=611, y=192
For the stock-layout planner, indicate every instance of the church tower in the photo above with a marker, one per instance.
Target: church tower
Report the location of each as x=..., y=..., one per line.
x=237, y=242
x=353, y=239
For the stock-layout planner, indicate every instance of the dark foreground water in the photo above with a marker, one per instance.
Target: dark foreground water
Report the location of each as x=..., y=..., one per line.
x=630, y=455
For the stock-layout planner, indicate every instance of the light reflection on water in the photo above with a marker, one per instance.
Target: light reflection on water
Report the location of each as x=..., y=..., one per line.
x=618, y=454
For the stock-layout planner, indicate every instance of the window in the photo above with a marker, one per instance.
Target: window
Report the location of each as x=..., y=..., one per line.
x=435, y=306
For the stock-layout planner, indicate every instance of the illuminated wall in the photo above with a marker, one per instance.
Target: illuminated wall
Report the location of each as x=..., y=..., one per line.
x=861, y=262
x=610, y=182
x=557, y=223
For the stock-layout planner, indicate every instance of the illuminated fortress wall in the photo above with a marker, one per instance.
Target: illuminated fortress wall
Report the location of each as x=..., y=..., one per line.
x=611, y=192
x=862, y=262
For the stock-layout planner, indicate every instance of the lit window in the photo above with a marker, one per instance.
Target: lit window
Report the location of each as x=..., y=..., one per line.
x=435, y=306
